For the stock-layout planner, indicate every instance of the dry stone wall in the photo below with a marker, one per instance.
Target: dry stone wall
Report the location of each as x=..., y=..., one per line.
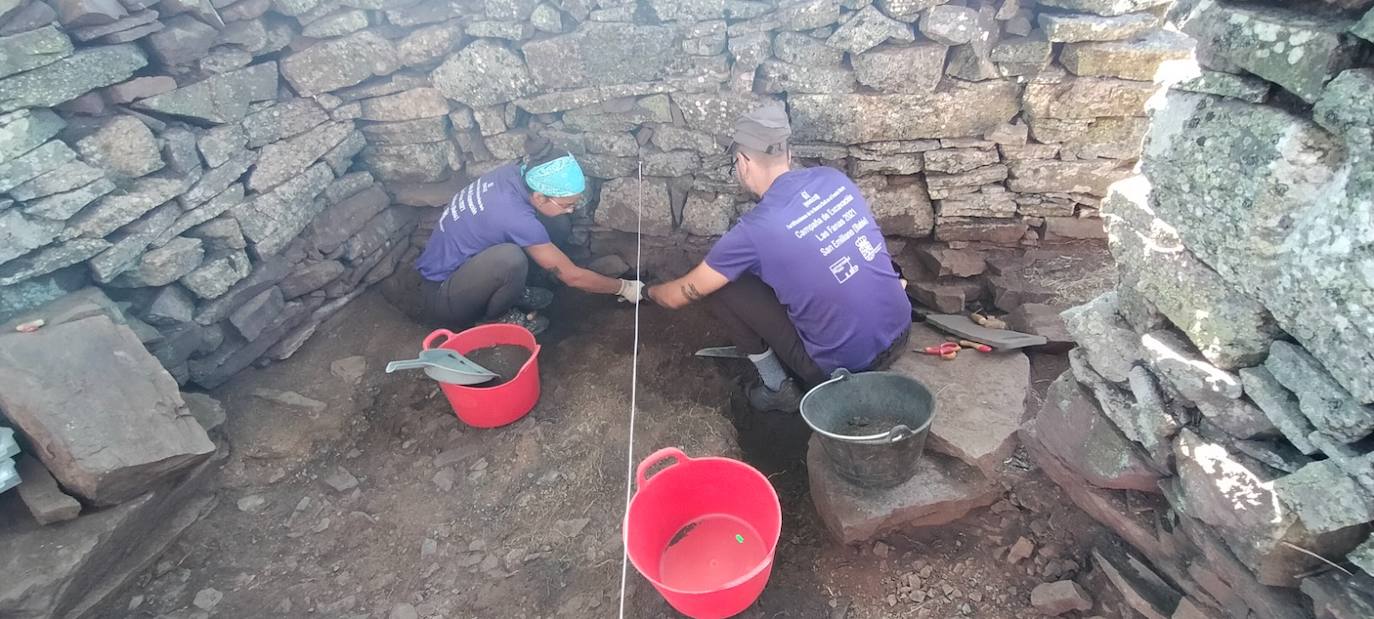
x=233, y=171
x=1231, y=366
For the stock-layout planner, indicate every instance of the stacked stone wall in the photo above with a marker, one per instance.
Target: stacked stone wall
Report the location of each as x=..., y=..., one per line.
x=1233, y=359
x=233, y=171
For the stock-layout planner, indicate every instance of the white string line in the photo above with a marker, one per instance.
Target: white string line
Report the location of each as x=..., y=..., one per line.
x=634, y=383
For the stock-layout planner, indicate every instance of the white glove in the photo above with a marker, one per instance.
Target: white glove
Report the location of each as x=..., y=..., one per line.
x=631, y=290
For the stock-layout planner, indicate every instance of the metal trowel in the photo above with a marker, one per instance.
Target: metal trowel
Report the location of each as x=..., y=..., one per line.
x=445, y=366
x=722, y=352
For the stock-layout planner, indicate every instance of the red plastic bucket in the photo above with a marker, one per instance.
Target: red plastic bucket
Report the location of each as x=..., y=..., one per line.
x=703, y=531
x=491, y=407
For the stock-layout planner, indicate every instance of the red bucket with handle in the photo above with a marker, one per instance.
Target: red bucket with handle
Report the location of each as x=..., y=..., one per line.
x=496, y=406
x=703, y=532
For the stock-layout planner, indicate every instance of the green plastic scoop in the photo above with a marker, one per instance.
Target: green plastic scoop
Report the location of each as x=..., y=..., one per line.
x=445, y=366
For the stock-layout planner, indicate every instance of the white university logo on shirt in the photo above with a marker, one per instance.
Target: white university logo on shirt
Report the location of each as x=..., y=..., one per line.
x=469, y=199
x=834, y=225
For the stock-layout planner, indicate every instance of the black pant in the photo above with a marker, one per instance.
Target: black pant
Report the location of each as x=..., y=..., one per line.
x=486, y=286
x=757, y=321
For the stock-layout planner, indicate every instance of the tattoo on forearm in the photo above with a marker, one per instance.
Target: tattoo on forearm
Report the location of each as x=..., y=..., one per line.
x=555, y=271
x=690, y=291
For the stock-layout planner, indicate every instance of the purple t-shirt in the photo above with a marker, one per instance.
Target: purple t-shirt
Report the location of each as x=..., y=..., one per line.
x=813, y=239
x=494, y=209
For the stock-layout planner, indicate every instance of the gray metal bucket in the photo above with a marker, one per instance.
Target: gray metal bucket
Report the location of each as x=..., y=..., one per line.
x=872, y=425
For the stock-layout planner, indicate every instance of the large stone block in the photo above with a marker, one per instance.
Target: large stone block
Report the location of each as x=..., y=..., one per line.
x=272, y=220
x=183, y=41
x=715, y=113
x=1074, y=429
x=281, y=161
x=1342, y=109
x=1047, y=176
x=1329, y=407
x=338, y=63
x=867, y=29
x=415, y=163
x=618, y=207
x=484, y=73
x=1240, y=501
x=123, y=146
x=409, y=104
x=1097, y=138
x=1110, y=345
x=1325, y=498
x=99, y=552
x=37, y=162
x=950, y=24
x=600, y=55
x=901, y=209
x=1298, y=50
x=957, y=111
x=223, y=98
x=130, y=241
x=1279, y=405
x=1229, y=327
x=798, y=48
x=975, y=421
x=70, y=77
x=20, y=235
x=1088, y=98
x=1219, y=166
x=24, y=130
x=134, y=431
x=1079, y=27
x=942, y=491
x=428, y=44
x=1365, y=27
x=218, y=275
x=66, y=177
x=1105, y=7
x=781, y=77
x=286, y=118
x=708, y=214
x=999, y=231
x=906, y=10
x=906, y=69
x=163, y=265
x=1158, y=55
x=32, y=49
x=118, y=209
x=49, y=259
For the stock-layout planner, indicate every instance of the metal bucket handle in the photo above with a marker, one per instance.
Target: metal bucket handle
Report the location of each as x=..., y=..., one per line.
x=895, y=434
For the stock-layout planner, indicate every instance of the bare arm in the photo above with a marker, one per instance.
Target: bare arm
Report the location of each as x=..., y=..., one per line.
x=694, y=286
x=556, y=262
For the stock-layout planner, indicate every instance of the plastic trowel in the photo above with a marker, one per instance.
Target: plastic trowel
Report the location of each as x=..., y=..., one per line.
x=999, y=339
x=445, y=366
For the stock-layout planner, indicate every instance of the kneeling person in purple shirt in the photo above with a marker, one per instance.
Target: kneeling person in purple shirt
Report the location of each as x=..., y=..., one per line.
x=474, y=265
x=803, y=282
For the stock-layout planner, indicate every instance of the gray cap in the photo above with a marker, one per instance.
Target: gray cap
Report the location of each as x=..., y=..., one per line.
x=765, y=129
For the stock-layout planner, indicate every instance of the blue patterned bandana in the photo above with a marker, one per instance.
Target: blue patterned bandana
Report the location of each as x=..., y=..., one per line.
x=559, y=178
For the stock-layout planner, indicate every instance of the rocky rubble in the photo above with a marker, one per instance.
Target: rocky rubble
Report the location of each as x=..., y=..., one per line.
x=1231, y=353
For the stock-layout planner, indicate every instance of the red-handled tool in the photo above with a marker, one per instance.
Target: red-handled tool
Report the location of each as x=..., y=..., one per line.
x=948, y=350
x=975, y=345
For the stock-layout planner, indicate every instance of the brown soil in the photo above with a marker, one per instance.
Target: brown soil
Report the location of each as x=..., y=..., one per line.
x=503, y=360
x=524, y=521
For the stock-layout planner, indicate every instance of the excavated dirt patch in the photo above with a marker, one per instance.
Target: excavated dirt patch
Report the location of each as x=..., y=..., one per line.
x=375, y=496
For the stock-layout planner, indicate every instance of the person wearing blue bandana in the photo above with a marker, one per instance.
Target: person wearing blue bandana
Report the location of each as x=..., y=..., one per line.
x=476, y=262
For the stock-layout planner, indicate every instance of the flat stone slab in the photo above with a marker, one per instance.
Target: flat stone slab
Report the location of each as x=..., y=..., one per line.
x=103, y=415
x=942, y=491
x=66, y=569
x=979, y=399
